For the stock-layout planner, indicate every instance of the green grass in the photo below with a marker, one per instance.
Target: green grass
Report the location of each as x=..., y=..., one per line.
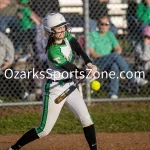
x=108, y=117
x=9, y=99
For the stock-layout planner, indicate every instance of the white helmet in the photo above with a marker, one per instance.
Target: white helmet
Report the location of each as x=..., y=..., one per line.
x=52, y=20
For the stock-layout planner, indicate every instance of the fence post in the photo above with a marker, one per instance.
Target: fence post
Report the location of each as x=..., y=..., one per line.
x=86, y=35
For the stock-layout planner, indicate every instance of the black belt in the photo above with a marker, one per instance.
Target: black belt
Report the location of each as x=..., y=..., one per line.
x=64, y=81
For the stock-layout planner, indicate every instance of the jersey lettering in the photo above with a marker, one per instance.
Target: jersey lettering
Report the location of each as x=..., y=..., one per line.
x=67, y=52
x=57, y=60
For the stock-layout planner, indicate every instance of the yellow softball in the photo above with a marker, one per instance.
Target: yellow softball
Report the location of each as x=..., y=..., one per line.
x=95, y=85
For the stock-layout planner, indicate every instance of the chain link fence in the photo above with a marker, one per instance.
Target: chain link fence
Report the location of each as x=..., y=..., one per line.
x=21, y=22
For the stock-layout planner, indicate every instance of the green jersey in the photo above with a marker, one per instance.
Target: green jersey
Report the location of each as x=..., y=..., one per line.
x=58, y=55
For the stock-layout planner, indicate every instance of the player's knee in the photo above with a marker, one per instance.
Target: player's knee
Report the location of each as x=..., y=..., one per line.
x=43, y=133
x=86, y=121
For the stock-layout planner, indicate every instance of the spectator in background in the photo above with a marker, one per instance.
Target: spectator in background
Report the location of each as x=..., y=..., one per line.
x=102, y=43
x=41, y=42
x=9, y=87
x=7, y=13
x=142, y=51
x=6, y=60
x=4, y=3
x=98, y=8
x=143, y=13
x=40, y=59
x=132, y=21
x=6, y=53
x=28, y=19
x=9, y=22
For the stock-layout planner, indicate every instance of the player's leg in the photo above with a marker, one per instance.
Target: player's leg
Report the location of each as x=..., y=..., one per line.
x=51, y=110
x=77, y=105
x=50, y=114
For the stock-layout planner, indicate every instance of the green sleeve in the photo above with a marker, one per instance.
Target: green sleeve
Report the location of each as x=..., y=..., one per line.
x=28, y=12
x=142, y=13
x=139, y=10
x=91, y=41
x=68, y=35
x=113, y=39
x=56, y=57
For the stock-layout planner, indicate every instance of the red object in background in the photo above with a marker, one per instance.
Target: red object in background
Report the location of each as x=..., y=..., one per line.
x=81, y=40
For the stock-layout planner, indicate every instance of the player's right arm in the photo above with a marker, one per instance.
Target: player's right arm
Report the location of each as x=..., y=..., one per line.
x=77, y=48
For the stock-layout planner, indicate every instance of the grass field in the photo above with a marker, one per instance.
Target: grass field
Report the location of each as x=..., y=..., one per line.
x=108, y=117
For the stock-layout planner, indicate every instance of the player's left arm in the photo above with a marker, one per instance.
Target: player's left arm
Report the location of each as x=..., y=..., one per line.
x=77, y=48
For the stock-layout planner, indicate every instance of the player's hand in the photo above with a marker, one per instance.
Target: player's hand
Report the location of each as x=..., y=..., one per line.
x=93, y=67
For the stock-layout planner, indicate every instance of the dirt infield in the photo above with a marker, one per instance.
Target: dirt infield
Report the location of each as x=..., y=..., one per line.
x=106, y=141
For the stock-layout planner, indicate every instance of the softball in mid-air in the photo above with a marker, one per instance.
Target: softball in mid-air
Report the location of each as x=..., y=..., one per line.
x=95, y=85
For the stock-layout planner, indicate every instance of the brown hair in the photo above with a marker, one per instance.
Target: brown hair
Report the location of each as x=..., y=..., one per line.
x=49, y=43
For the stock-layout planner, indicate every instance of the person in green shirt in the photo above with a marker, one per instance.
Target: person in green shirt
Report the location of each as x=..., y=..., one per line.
x=105, y=51
x=143, y=12
x=28, y=21
x=98, y=8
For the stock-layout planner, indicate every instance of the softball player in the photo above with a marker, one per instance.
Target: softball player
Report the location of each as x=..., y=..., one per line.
x=60, y=49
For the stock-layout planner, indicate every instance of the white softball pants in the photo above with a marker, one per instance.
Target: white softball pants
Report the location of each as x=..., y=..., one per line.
x=51, y=110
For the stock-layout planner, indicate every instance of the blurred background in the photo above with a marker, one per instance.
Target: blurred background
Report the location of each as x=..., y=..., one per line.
x=22, y=43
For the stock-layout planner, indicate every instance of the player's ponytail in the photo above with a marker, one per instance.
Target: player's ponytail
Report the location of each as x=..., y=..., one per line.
x=49, y=43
